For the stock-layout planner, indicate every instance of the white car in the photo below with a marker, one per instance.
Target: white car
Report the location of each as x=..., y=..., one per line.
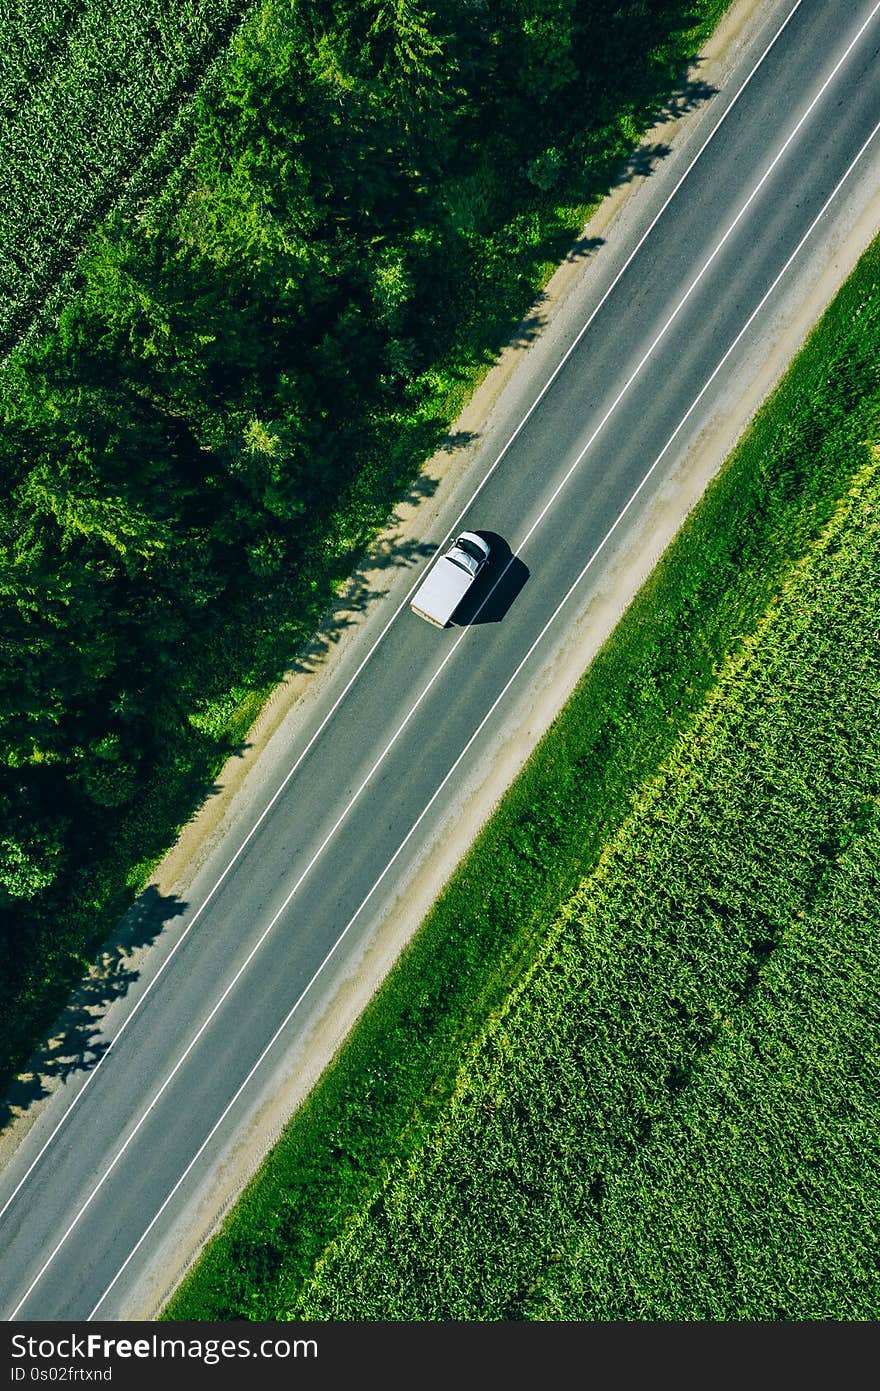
x=450, y=578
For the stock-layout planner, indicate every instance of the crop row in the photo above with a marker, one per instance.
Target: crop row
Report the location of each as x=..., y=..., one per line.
x=85, y=88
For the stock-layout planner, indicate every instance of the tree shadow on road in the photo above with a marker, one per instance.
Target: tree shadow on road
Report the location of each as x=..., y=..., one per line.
x=76, y=1042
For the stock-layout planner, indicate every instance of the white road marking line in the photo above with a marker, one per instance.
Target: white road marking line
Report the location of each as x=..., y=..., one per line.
x=341, y=697
x=488, y=714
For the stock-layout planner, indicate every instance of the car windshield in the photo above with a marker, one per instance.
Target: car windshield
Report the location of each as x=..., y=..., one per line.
x=469, y=548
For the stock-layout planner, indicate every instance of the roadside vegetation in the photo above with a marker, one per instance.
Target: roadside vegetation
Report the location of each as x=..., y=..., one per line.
x=245, y=372
x=628, y=1067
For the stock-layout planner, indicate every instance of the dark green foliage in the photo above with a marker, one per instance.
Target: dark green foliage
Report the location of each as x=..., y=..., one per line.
x=246, y=375
x=386, y=1096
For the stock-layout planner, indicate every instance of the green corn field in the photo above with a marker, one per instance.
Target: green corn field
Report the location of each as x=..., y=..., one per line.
x=86, y=88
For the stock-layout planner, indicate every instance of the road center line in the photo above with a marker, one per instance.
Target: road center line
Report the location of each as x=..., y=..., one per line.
x=551, y=620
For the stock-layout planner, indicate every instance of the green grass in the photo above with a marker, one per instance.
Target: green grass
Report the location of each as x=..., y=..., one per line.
x=388, y=1091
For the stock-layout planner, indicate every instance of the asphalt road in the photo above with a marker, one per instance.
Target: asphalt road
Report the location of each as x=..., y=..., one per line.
x=95, y=1192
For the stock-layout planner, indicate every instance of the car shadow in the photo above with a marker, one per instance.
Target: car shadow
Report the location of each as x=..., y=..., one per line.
x=496, y=588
